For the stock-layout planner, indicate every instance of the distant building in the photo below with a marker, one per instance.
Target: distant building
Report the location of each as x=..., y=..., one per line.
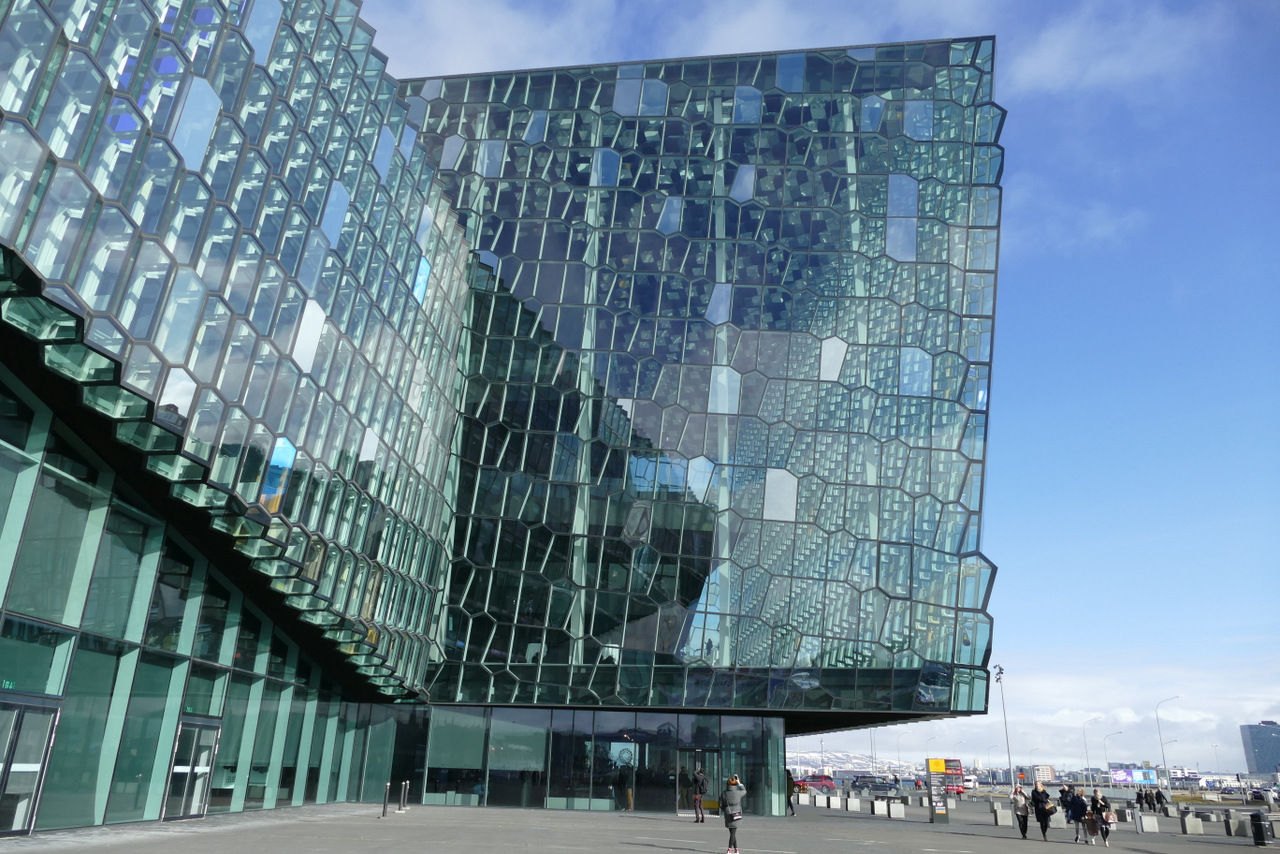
x=1029, y=774
x=1261, y=747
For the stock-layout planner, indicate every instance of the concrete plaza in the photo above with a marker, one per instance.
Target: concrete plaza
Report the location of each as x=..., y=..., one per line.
x=357, y=828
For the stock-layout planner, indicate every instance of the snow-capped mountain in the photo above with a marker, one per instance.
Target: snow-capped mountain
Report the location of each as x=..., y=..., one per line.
x=842, y=763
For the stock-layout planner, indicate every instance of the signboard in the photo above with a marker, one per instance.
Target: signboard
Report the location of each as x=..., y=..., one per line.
x=937, y=781
x=1133, y=776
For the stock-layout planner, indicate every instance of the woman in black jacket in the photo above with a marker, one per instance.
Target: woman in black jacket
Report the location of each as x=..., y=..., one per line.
x=731, y=809
x=1101, y=809
x=1043, y=804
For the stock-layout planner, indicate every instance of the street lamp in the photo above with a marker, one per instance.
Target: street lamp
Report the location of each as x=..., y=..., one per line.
x=1085, y=736
x=999, y=671
x=1216, y=769
x=1160, y=734
x=1168, y=775
x=873, y=751
x=1104, y=752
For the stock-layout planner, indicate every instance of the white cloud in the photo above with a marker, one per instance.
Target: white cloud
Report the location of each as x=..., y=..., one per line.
x=426, y=38
x=1054, y=688
x=1130, y=50
x=1038, y=216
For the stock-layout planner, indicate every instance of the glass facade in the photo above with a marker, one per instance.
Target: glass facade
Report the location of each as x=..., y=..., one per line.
x=527, y=436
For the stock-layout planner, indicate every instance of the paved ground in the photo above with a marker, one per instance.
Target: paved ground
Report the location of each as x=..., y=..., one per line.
x=357, y=829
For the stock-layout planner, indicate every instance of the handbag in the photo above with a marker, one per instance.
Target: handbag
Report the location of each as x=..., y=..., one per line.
x=735, y=816
x=1050, y=808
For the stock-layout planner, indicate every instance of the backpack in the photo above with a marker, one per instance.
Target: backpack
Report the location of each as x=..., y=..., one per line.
x=701, y=784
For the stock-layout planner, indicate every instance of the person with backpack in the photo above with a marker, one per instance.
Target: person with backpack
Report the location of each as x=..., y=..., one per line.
x=701, y=785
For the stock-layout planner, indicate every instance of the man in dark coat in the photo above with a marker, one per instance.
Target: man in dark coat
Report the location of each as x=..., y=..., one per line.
x=701, y=785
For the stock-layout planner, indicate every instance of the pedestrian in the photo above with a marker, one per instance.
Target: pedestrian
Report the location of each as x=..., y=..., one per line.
x=731, y=808
x=1021, y=808
x=1075, y=809
x=1160, y=798
x=701, y=785
x=791, y=793
x=1102, y=812
x=1064, y=797
x=1044, y=806
x=1151, y=800
x=1139, y=799
x=686, y=788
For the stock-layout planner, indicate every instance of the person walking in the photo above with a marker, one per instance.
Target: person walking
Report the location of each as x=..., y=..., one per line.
x=701, y=785
x=791, y=793
x=1042, y=803
x=1161, y=800
x=1102, y=812
x=1151, y=800
x=731, y=808
x=1140, y=799
x=1075, y=809
x=1021, y=808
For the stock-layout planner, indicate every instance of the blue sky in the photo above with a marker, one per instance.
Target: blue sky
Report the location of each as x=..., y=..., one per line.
x=1131, y=499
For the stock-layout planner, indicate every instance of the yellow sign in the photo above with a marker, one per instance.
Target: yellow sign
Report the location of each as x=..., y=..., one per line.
x=937, y=766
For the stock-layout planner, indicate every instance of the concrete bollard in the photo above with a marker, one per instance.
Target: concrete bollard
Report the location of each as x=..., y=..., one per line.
x=896, y=809
x=1003, y=818
x=1058, y=820
x=1237, y=827
x=852, y=805
x=1192, y=825
x=1148, y=824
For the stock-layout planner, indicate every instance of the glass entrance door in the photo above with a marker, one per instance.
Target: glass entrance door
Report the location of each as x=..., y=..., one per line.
x=709, y=761
x=193, y=754
x=25, y=734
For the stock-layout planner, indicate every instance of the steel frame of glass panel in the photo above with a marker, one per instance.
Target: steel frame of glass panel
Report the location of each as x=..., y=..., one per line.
x=649, y=387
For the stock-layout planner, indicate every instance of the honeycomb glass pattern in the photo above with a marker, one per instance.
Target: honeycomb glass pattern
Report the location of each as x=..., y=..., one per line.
x=659, y=384
x=724, y=416
x=218, y=220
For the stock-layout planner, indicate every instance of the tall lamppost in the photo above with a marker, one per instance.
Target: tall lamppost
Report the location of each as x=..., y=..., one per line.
x=1105, y=760
x=1160, y=734
x=822, y=753
x=873, y=751
x=1085, y=736
x=1167, y=773
x=1216, y=769
x=999, y=671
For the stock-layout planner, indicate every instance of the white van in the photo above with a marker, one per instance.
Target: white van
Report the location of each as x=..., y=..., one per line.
x=970, y=781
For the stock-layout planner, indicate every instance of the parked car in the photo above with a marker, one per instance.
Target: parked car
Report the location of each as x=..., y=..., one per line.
x=870, y=786
x=822, y=784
